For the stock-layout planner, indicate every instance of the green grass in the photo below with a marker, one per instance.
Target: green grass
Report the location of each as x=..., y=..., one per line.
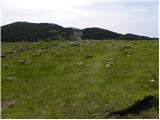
x=61, y=81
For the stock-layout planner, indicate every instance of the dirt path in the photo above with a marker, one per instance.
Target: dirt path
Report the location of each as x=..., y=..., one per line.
x=96, y=69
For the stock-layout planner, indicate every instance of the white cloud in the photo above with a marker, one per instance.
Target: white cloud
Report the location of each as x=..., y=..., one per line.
x=44, y=4
x=119, y=15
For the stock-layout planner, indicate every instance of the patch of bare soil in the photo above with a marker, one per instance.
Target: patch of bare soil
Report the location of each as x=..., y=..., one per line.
x=8, y=103
x=141, y=106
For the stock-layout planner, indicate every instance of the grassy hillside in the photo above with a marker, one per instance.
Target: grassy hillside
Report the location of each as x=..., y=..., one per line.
x=85, y=79
x=32, y=32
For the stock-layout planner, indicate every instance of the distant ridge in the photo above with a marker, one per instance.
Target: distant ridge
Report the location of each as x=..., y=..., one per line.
x=25, y=31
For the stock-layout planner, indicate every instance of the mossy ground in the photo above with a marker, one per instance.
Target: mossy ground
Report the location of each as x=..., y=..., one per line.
x=59, y=80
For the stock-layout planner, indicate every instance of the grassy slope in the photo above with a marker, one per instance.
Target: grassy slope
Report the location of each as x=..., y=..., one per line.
x=53, y=85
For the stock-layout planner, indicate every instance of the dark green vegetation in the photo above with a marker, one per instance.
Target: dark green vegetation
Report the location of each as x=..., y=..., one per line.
x=82, y=79
x=24, y=31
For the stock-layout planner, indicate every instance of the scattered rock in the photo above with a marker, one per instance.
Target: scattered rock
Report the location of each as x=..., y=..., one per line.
x=73, y=44
x=9, y=103
x=36, y=54
x=42, y=50
x=88, y=56
x=11, y=52
x=108, y=65
x=11, y=78
x=24, y=62
x=152, y=80
x=79, y=63
x=22, y=49
x=109, y=62
x=126, y=46
x=108, y=59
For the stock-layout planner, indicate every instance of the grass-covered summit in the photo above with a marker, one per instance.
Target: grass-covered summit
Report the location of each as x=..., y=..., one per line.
x=25, y=31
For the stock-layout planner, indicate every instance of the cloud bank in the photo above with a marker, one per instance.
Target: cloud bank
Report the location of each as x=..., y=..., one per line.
x=123, y=16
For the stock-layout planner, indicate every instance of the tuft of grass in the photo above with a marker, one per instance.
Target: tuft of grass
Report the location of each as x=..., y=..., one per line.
x=59, y=81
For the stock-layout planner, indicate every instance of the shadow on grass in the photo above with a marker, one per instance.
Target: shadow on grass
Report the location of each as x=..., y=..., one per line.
x=142, y=105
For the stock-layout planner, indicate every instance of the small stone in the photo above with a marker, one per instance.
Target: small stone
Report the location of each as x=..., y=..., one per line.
x=108, y=65
x=73, y=44
x=79, y=63
x=11, y=78
x=89, y=56
x=22, y=49
x=152, y=80
x=9, y=103
x=36, y=54
x=111, y=63
x=24, y=62
x=126, y=46
x=42, y=50
x=106, y=59
x=110, y=59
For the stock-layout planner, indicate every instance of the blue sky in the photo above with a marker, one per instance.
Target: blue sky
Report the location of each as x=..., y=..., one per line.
x=123, y=16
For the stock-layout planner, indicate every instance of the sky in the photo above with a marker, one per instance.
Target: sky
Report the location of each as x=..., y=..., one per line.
x=122, y=16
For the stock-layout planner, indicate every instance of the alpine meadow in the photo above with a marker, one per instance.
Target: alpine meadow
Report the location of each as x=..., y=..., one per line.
x=49, y=71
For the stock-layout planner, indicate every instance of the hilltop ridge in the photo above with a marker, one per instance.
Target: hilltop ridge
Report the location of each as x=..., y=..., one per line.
x=25, y=31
